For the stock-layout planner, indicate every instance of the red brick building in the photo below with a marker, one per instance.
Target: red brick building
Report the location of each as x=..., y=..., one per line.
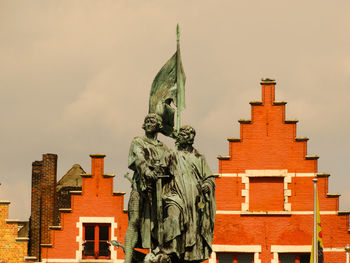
x=96, y=216
x=264, y=193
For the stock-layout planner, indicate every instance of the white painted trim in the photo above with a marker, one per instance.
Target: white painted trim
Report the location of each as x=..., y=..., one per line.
x=256, y=249
x=290, y=249
x=275, y=249
x=267, y=173
x=237, y=248
x=239, y=212
x=288, y=174
x=79, y=238
x=212, y=258
x=305, y=174
x=223, y=212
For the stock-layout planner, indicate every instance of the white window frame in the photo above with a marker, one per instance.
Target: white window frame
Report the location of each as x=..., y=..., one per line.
x=255, y=249
x=266, y=173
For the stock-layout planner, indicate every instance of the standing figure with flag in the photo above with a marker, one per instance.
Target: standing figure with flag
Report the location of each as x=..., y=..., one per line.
x=177, y=183
x=147, y=158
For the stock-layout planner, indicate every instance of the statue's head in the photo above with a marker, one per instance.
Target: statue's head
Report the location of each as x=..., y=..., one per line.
x=186, y=135
x=152, y=123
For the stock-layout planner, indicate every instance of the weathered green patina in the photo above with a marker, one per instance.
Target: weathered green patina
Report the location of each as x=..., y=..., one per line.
x=147, y=158
x=169, y=87
x=190, y=202
x=172, y=203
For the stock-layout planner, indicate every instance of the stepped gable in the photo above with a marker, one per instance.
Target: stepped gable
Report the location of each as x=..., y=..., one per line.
x=95, y=205
x=264, y=192
x=268, y=140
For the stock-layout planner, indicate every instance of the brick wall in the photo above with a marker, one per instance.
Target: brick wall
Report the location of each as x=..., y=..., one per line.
x=12, y=248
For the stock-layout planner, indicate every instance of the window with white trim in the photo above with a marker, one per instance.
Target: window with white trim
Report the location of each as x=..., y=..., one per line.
x=294, y=257
x=235, y=257
x=96, y=237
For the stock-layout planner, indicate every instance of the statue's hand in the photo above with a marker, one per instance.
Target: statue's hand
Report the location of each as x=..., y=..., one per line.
x=150, y=176
x=205, y=188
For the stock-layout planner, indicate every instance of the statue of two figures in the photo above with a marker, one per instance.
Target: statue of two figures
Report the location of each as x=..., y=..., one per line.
x=172, y=203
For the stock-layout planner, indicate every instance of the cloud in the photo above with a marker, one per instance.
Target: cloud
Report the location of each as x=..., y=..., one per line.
x=75, y=77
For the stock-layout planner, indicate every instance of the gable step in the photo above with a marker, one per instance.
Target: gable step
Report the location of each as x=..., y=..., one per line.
x=291, y=121
x=244, y=121
x=65, y=210
x=46, y=245
x=55, y=227
x=323, y=175
x=256, y=103
x=118, y=193
x=30, y=258
x=342, y=213
x=22, y=239
x=333, y=195
x=279, y=103
x=311, y=157
x=108, y=175
x=75, y=192
x=301, y=139
x=234, y=139
x=12, y=221
x=223, y=157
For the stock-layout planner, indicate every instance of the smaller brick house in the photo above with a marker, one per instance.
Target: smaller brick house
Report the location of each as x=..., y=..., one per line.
x=13, y=248
x=95, y=217
x=48, y=197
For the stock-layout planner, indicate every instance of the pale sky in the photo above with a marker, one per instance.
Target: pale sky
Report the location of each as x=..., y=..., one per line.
x=75, y=78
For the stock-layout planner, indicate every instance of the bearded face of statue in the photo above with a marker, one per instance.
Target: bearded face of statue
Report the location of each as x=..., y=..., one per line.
x=152, y=123
x=186, y=136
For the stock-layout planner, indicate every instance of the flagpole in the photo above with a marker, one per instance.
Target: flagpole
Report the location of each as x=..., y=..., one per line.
x=178, y=112
x=347, y=249
x=315, y=243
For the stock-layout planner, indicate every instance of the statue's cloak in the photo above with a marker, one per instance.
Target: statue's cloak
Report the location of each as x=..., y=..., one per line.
x=194, y=236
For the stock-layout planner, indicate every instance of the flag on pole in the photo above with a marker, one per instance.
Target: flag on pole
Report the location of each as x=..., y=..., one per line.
x=319, y=241
x=169, y=86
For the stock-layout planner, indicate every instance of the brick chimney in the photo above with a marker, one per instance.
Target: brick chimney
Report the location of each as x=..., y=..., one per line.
x=44, y=176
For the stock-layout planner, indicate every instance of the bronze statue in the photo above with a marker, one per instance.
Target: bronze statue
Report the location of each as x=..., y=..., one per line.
x=172, y=203
x=189, y=201
x=147, y=159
